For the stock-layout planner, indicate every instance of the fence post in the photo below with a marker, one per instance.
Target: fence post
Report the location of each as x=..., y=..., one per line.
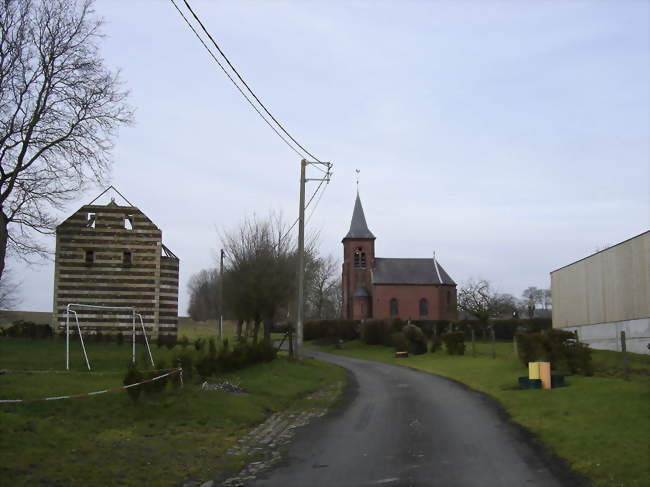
x=473, y=344
x=626, y=370
x=514, y=344
x=494, y=350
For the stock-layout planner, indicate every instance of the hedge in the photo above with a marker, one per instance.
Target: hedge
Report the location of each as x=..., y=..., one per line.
x=559, y=347
x=331, y=330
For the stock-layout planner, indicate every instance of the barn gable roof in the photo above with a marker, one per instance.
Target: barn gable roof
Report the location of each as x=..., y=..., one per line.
x=358, y=226
x=409, y=271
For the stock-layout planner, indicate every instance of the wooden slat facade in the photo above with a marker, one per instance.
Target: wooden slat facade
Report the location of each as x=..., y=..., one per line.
x=111, y=255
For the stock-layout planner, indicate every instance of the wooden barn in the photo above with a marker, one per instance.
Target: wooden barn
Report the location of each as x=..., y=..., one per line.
x=112, y=255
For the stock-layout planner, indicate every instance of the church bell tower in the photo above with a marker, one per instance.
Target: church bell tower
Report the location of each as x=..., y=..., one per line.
x=358, y=261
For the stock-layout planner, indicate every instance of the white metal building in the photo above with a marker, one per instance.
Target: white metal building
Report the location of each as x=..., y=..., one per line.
x=606, y=293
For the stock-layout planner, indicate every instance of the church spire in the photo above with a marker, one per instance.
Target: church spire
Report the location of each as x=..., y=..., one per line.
x=358, y=226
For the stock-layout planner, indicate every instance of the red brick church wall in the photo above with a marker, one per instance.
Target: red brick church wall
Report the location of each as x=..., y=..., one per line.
x=408, y=298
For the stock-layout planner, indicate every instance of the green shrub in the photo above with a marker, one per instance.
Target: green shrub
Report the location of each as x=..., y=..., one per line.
x=29, y=329
x=400, y=342
x=559, y=347
x=417, y=339
x=132, y=376
x=436, y=344
x=205, y=366
x=184, y=342
x=170, y=341
x=120, y=338
x=199, y=344
x=432, y=327
x=185, y=361
x=530, y=347
x=454, y=342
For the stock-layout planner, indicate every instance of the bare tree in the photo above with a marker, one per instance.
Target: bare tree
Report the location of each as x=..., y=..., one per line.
x=9, y=291
x=204, y=295
x=546, y=298
x=60, y=108
x=322, y=284
x=260, y=272
x=481, y=301
x=532, y=297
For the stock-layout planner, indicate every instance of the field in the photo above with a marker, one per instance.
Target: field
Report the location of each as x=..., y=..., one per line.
x=600, y=424
x=162, y=440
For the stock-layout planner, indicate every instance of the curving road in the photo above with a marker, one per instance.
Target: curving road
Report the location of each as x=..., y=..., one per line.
x=408, y=428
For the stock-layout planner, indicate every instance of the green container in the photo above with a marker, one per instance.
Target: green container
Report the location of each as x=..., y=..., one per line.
x=535, y=383
x=558, y=381
x=524, y=383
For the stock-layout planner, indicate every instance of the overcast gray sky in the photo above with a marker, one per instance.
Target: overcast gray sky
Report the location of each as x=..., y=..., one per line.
x=512, y=138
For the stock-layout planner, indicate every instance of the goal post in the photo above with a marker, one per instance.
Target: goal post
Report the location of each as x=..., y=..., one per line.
x=132, y=311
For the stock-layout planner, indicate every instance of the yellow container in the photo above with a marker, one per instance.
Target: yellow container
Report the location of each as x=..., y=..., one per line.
x=545, y=374
x=533, y=370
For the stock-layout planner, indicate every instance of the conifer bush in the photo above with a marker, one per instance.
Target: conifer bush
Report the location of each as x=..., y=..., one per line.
x=454, y=342
x=416, y=338
x=132, y=376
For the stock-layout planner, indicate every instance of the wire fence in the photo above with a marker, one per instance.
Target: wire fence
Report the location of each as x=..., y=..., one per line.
x=96, y=393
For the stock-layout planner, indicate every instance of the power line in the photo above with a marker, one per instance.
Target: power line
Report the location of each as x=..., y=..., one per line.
x=306, y=206
x=234, y=82
x=205, y=30
x=313, y=210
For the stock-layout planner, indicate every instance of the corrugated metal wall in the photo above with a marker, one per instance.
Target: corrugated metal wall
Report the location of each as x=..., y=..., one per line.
x=610, y=286
x=111, y=256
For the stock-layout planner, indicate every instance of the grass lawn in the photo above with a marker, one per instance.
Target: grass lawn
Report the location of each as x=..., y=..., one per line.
x=107, y=440
x=600, y=424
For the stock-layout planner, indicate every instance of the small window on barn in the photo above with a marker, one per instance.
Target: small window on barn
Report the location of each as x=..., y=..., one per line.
x=90, y=257
x=127, y=259
x=128, y=222
x=394, y=307
x=424, y=307
x=90, y=223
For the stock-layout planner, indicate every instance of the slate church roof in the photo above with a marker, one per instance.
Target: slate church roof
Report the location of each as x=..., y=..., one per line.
x=358, y=226
x=409, y=271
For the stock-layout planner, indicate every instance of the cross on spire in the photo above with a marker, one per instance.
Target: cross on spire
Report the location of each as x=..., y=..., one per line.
x=358, y=171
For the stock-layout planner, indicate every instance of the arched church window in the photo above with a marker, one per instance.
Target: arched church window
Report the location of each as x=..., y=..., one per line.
x=424, y=307
x=394, y=307
x=359, y=258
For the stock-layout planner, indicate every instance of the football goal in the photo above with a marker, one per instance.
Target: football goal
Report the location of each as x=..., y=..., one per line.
x=128, y=312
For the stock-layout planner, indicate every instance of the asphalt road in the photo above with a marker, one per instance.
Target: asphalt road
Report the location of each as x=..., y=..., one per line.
x=407, y=428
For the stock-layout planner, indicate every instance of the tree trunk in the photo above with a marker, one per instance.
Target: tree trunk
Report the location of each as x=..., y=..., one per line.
x=268, y=327
x=3, y=241
x=256, y=329
x=291, y=356
x=239, y=327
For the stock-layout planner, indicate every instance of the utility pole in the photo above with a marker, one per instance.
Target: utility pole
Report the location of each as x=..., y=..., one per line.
x=301, y=263
x=300, y=314
x=221, y=295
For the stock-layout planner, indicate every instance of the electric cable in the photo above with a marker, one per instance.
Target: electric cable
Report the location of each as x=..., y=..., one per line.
x=244, y=82
x=234, y=83
x=313, y=210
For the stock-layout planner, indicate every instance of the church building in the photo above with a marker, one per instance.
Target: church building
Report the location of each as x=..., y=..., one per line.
x=376, y=287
